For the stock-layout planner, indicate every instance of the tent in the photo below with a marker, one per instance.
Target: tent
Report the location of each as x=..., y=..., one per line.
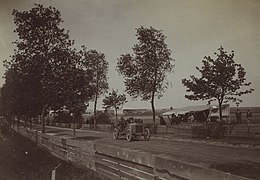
x=202, y=112
x=188, y=109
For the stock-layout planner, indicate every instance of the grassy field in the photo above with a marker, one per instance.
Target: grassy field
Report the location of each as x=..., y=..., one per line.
x=20, y=159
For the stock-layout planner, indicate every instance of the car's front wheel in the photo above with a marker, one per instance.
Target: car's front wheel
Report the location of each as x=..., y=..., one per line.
x=129, y=135
x=147, y=134
x=115, y=133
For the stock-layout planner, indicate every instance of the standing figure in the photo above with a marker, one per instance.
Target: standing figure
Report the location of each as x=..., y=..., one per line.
x=191, y=118
x=173, y=119
x=238, y=116
x=248, y=116
x=162, y=121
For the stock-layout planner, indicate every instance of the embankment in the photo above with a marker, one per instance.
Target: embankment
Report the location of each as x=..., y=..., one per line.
x=121, y=163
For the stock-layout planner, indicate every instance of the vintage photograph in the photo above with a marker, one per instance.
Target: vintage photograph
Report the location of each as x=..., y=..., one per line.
x=129, y=89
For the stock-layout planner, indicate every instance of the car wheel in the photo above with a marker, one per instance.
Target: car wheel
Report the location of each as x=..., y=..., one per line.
x=115, y=133
x=128, y=135
x=147, y=134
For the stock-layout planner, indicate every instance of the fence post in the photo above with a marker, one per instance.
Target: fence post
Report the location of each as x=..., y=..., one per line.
x=53, y=173
x=63, y=141
x=248, y=130
x=36, y=137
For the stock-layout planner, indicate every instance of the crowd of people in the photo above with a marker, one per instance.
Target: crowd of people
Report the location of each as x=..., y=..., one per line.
x=180, y=118
x=191, y=118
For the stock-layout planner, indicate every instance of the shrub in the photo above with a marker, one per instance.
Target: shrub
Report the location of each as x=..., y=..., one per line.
x=5, y=128
x=102, y=118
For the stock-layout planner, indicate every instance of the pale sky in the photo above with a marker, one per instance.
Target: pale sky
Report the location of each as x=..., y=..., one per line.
x=194, y=28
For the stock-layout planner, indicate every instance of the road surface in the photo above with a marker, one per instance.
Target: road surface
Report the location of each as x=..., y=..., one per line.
x=236, y=160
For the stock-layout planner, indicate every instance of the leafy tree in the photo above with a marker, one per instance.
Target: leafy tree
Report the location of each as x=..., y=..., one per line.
x=102, y=118
x=221, y=79
x=9, y=93
x=99, y=66
x=22, y=90
x=114, y=100
x=46, y=61
x=145, y=71
x=17, y=93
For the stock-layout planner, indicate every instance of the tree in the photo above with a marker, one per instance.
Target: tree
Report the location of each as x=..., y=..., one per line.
x=19, y=97
x=99, y=66
x=145, y=72
x=47, y=62
x=221, y=79
x=40, y=40
x=114, y=100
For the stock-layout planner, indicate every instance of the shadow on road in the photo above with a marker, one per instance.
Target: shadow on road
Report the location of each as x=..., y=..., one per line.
x=247, y=168
x=86, y=138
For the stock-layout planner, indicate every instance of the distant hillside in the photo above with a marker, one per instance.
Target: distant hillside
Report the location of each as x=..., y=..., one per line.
x=143, y=112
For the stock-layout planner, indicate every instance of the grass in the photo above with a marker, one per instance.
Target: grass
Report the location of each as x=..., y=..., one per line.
x=20, y=159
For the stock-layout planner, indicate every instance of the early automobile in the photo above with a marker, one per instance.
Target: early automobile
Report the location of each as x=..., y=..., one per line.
x=131, y=128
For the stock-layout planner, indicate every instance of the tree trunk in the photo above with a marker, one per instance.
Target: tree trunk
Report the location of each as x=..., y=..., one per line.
x=116, y=114
x=220, y=110
x=18, y=121
x=221, y=124
x=74, y=127
x=13, y=122
x=25, y=123
x=30, y=122
x=153, y=94
x=42, y=118
x=95, y=113
x=96, y=97
x=153, y=109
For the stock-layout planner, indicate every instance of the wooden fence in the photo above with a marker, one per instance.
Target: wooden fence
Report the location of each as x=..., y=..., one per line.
x=120, y=163
x=236, y=130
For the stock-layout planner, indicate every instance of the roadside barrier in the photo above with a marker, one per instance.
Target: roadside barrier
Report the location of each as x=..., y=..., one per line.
x=200, y=130
x=121, y=163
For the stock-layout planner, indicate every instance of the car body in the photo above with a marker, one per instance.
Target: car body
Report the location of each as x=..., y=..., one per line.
x=131, y=128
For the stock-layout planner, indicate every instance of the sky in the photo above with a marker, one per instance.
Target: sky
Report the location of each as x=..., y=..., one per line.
x=194, y=29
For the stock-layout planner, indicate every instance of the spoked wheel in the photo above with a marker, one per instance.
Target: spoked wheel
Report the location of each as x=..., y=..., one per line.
x=147, y=134
x=128, y=135
x=115, y=133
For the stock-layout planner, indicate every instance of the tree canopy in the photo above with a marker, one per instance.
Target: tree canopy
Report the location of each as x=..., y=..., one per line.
x=222, y=79
x=99, y=66
x=145, y=71
x=114, y=100
x=44, y=65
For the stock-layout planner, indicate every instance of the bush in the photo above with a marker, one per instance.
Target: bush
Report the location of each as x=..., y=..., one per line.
x=102, y=118
x=5, y=128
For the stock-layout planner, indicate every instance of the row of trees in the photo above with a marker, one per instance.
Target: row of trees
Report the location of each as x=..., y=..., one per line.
x=47, y=72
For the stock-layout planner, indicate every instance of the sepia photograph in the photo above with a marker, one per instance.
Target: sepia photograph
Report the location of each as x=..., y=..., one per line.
x=129, y=89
